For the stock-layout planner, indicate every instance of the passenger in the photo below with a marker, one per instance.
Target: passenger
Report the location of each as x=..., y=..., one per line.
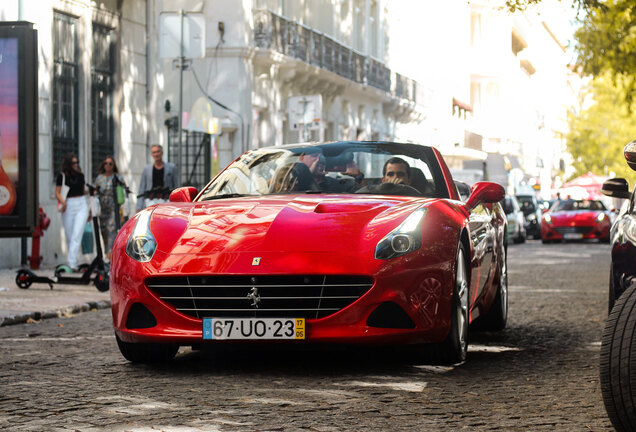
x=330, y=184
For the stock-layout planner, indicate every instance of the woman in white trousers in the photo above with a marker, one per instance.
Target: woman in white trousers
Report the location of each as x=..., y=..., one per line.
x=70, y=191
x=74, y=220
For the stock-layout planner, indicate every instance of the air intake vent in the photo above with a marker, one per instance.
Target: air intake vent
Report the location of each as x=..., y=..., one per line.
x=262, y=296
x=139, y=317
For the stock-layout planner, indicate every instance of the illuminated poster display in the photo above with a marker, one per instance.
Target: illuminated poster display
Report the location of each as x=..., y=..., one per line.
x=18, y=129
x=8, y=124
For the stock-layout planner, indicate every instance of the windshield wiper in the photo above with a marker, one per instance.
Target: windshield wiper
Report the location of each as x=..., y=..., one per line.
x=229, y=195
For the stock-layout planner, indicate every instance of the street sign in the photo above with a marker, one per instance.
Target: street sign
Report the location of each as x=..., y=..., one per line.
x=170, y=35
x=304, y=112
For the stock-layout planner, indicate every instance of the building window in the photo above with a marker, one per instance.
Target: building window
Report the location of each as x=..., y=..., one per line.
x=65, y=88
x=102, y=68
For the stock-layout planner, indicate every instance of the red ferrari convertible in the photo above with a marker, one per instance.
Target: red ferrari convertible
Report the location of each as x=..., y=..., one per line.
x=343, y=242
x=576, y=220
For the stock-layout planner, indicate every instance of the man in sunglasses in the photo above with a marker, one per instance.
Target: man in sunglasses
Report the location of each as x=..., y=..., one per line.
x=159, y=176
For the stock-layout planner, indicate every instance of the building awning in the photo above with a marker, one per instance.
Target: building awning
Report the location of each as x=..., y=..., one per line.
x=462, y=105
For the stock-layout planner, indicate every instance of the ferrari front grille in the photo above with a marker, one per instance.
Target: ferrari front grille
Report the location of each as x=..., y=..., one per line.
x=304, y=296
x=574, y=229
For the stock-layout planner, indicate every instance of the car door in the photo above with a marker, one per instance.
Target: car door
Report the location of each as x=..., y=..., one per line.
x=482, y=237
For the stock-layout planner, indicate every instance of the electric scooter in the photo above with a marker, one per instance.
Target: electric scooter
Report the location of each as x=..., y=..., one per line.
x=155, y=195
x=95, y=272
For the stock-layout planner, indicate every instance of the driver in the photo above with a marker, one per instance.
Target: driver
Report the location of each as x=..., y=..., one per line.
x=395, y=180
x=396, y=171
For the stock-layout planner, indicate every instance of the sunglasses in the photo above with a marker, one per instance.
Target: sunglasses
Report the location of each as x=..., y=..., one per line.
x=75, y=162
x=108, y=163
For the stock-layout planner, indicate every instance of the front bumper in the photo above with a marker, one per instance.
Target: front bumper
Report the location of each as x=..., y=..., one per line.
x=584, y=232
x=420, y=287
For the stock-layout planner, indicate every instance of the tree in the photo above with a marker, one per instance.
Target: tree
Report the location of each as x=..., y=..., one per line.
x=519, y=5
x=600, y=130
x=606, y=42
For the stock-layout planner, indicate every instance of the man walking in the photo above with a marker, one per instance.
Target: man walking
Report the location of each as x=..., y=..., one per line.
x=157, y=175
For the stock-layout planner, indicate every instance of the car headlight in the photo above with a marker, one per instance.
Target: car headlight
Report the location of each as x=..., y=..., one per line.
x=404, y=239
x=531, y=217
x=547, y=218
x=600, y=218
x=141, y=244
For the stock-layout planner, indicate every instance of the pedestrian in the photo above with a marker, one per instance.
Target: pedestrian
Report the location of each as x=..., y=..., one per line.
x=107, y=180
x=158, y=174
x=72, y=205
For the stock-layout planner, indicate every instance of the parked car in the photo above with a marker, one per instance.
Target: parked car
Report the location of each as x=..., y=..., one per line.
x=516, y=219
x=272, y=251
x=576, y=220
x=532, y=212
x=618, y=350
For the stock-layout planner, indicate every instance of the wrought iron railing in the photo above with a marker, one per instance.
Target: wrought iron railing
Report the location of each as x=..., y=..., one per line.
x=274, y=32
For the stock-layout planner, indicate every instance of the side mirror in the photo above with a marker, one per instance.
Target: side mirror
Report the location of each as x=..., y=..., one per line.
x=485, y=192
x=463, y=189
x=183, y=194
x=616, y=188
x=630, y=154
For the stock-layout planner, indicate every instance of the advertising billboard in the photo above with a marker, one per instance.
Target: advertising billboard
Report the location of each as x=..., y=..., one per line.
x=18, y=129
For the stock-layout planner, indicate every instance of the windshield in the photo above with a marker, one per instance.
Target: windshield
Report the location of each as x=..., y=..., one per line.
x=342, y=167
x=573, y=205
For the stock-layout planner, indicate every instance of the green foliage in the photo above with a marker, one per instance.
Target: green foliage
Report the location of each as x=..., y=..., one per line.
x=521, y=5
x=606, y=42
x=600, y=131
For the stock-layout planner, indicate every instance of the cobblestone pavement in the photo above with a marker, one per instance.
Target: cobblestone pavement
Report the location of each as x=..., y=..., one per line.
x=540, y=374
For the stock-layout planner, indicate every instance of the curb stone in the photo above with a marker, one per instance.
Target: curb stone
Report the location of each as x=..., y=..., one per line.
x=58, y=313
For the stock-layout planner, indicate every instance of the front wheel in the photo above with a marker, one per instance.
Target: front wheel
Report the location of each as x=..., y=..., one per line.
x=618, y=356
x=102, y=281
x=455, y=347
x=147, y=352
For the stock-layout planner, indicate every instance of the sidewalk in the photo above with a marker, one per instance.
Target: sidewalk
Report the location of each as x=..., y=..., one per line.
x=39, y=301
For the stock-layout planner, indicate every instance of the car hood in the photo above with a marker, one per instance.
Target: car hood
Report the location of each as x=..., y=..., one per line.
x=575, y=217
x=265, y=224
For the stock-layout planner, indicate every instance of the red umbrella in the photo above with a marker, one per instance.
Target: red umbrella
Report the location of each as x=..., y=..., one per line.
x=588, y=184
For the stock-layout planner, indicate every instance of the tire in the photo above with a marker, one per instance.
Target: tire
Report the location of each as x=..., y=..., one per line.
x=147, y=352
x=544, y=241
x=497, y=316
x=23, y=279
x=618, y=357
x=455, y=347
x=102, y=281
x=612, y=291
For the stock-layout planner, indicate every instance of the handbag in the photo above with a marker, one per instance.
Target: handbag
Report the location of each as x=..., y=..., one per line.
x=87, y=239
x=121, y=194
x=63, y=192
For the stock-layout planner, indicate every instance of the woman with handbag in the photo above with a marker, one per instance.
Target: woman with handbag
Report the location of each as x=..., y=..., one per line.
x=111, y=197
x=70, y=188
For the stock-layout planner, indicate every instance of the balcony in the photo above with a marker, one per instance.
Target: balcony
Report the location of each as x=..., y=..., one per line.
x=276, y=33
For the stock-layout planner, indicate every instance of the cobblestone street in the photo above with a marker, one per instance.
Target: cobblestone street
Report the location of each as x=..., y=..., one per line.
x=540, y=374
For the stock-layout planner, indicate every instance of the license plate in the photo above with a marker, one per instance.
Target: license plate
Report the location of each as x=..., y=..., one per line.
x=253, y=328
x=572, y=236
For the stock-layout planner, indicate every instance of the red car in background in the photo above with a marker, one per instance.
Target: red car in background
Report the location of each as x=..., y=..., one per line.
x=576, y=220
x=343, y=242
